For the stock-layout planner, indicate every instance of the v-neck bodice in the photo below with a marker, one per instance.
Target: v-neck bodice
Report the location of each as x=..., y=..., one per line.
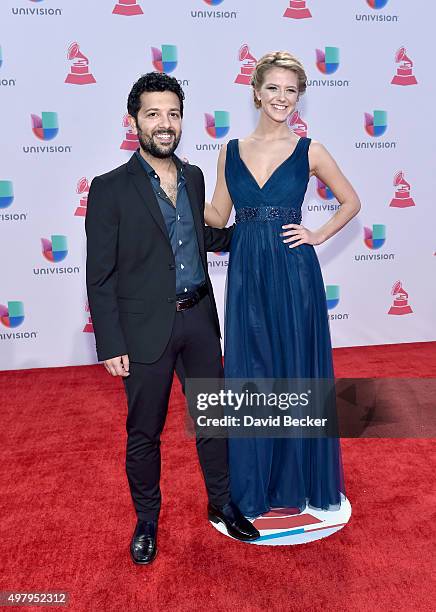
x=286, y=187
x=276, y=169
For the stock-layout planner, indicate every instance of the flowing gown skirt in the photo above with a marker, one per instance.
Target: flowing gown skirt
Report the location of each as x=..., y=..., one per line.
x=277, y=327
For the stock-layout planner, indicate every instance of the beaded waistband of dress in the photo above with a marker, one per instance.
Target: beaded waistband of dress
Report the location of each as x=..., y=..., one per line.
x=268, y=213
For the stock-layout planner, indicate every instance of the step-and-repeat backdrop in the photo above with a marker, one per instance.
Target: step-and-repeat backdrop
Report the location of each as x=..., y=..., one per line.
x=66, y=67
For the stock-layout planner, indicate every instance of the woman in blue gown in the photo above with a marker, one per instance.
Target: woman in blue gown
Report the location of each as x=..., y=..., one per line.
x=276, y=323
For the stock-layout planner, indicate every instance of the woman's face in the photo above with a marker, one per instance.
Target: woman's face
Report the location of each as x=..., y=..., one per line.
x=278, y=94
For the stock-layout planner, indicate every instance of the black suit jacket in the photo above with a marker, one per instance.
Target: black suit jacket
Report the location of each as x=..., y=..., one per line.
x=130, y=267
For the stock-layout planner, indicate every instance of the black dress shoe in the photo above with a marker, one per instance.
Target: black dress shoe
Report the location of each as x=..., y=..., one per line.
x=143, y=547
x=234, y=521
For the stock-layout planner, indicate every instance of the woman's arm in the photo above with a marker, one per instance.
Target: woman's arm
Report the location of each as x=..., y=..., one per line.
x=217, y=213
x=323, y=166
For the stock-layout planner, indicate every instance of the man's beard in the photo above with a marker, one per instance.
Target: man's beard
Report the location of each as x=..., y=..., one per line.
x=156, y=150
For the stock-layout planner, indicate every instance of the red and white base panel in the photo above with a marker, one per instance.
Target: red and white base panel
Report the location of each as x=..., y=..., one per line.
x=286, y=526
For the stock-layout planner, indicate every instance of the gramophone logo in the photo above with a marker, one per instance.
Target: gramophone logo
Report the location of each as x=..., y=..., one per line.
x=374, y=238
x=12, y=315
x=45, y=127
x=213, y=2
x=128, y=8
x=6, y=193
x=377, y=123
x=248, y=63
x=89, y=328
x=332, y=296
x=218, y=124
x=402, y=197
x=400, y=304
x=327, y=61
x=82, y=189
x=130, y=142
x=404, y=75
x=165, y=58
x=56, y=249
x=377, y=4
x=297, y=125
x=79, y=71
x=297, y=9
x=323, y=191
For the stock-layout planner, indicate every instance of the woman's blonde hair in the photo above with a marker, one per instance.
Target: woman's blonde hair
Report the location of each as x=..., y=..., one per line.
x=277, y=59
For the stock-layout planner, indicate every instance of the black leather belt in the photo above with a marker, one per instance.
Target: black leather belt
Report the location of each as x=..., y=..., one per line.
x=193, y=297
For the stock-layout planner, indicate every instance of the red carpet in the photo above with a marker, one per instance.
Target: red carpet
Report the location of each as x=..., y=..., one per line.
x=67, y=517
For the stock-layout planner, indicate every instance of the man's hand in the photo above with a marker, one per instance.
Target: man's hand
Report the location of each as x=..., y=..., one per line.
x=118, y=366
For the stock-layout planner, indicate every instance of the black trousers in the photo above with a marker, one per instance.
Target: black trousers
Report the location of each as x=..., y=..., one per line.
x=195, y=346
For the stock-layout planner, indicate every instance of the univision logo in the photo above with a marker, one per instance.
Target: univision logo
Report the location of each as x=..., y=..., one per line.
x=374, y=238
x=218, y=259
x=326, y=194
x=332, y=293
x=375, y=125
x=323, y=191
x=327, y=61
x=6, y=200
x=218, y=124
x=164, y=58
x=332, y=296
x=376, y=5
x=211, y=14
x=5, y=82
x=12, y=316
x=55, y=250
x=6, y=193
x=36, y=11
x=45, y=127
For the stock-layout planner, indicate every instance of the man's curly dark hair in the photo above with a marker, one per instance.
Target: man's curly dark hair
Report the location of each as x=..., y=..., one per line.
x=152, y=81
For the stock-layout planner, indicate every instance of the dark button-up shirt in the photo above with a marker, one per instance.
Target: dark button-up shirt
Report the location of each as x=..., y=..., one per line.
x=181, y=230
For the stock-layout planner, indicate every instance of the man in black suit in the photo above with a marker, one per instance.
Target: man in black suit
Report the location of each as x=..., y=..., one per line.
x=152, y=302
